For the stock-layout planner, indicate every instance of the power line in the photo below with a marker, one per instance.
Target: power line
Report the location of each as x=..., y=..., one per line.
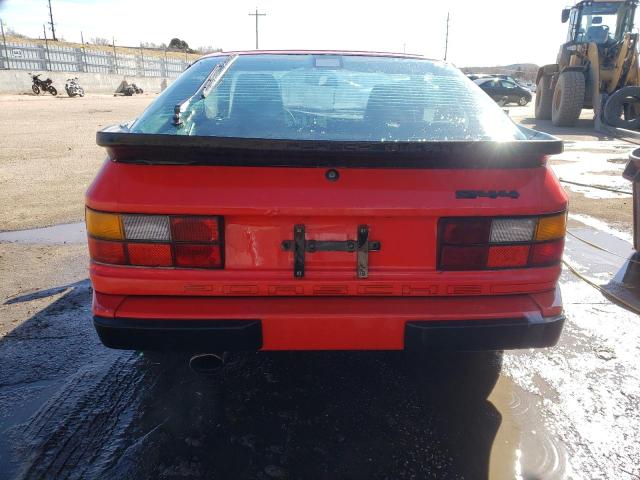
x=53, y=28
x=257, y=14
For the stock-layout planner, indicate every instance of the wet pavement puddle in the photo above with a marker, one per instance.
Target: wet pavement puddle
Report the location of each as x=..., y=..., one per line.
x=523, y=447
x=58, y=234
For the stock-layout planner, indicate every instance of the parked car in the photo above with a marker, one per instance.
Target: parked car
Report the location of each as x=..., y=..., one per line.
x=325, y=201
x=499, y=89
x=477, y=76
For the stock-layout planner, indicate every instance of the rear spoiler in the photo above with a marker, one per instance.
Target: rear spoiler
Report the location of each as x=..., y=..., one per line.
x=127, y=147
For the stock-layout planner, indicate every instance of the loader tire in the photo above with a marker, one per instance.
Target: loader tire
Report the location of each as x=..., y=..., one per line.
x=619, y=111
x=544, y=97
x=568, y=99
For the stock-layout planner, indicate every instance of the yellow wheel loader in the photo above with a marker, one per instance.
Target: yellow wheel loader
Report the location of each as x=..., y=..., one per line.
x=596, y=68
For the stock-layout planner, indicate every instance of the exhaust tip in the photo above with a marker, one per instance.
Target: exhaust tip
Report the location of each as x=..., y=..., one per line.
x=206, y=363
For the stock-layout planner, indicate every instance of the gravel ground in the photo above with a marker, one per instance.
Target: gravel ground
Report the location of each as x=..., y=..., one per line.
x=49, y=154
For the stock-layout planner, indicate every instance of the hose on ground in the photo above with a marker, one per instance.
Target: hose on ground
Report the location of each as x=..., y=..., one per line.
x=604, y=292
x=598, y=247
x=598, y=187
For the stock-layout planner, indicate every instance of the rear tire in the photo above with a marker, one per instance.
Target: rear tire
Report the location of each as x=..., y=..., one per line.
x=35, y=89
x=52, y=90
x=544, y=97
x=568, y=99
x=621, y=107
x=522, y=101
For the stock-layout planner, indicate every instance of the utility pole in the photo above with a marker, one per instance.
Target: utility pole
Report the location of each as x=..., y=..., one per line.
x=84, y=52
x=446, y=42
x=115, y=56
x=46, y=45
x=257, y=14
x=53, y=27
x=4, y=42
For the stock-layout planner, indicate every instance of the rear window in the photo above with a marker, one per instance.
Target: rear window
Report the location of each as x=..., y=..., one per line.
x=326, y=97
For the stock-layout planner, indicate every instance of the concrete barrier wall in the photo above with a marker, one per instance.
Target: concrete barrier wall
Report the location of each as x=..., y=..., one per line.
x=18, y=81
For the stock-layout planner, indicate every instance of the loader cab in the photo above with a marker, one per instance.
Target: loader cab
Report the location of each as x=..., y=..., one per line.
x=602, y=23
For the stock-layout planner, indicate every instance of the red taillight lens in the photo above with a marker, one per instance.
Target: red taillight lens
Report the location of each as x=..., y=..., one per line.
x=107, y=252
x=466, y=231
x=188, y=241
x=198, y=255
x=195, y=229
x=501, y=242
x=463, y=258
x=508, y=256
x=547, y=253
x=150, y=254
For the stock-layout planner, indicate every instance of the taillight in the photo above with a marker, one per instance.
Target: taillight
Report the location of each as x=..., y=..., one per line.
x=483, y=243
x=548, y=253
x=107, y=252
x=186, y=241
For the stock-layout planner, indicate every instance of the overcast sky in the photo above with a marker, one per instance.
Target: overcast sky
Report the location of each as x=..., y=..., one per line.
x=482, y=32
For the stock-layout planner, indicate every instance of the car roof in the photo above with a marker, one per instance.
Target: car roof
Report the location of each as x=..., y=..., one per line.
x=323, y=52
x=482, y=81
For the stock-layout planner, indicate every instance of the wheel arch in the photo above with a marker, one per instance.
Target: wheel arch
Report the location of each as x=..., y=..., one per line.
x=547, y=70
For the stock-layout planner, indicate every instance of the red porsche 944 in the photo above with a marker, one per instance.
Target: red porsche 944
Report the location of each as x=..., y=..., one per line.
x=324, y=200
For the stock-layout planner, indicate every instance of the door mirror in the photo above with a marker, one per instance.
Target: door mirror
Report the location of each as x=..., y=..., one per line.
x=565, y=15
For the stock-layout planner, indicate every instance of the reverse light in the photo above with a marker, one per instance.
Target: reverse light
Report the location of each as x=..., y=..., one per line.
x=504, y=242
x=183, y=241
x=508, y=230
x=146, y=227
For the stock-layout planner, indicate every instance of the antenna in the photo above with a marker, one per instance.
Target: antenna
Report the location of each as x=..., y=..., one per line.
x=257, y=14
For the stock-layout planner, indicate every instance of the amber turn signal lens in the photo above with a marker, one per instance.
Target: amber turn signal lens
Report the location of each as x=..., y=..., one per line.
x=103, y=225
x=551, y=228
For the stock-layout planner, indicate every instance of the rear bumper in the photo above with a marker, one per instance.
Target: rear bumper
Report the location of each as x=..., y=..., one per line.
x=179, y=335
x=484, y=334
x=329, y=323
x=222, y=335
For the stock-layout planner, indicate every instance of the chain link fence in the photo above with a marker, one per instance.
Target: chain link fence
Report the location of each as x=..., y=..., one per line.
x=52, y=57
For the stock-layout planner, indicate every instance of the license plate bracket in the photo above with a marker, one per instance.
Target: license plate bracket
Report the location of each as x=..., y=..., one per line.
x=300, y=246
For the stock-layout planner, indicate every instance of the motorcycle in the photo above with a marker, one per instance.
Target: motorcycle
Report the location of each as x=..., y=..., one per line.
x=136, y=88
x=43, y=86
x=73, y=88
